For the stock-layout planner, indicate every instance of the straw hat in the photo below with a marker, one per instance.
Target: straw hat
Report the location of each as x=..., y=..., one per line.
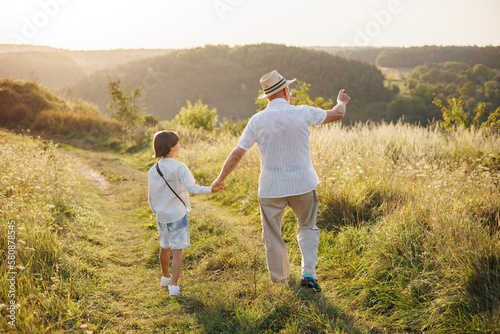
x=272, y=83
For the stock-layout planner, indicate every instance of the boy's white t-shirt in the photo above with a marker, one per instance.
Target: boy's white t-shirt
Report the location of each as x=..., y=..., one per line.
x=165, y=205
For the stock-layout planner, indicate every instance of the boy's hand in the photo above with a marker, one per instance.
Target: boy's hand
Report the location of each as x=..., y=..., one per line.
x=217, y=185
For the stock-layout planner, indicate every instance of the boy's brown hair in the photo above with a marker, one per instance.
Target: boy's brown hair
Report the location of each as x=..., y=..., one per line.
x=163, y=141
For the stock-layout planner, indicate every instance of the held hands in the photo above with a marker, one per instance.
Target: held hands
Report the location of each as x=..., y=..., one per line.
x=217, y=185
x=343, y=97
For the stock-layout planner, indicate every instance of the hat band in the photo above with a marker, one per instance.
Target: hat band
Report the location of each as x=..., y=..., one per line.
x=273, y=87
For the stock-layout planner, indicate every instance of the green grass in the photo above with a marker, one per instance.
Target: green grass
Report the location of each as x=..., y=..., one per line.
x=409, y=223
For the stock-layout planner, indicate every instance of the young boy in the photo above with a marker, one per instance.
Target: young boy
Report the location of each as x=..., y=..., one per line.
x=171, y=205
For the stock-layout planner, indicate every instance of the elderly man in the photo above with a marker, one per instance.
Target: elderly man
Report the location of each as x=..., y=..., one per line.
x=287, y=177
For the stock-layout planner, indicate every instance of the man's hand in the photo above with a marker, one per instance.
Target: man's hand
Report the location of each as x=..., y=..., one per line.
x=338, y=112
x=343, y=97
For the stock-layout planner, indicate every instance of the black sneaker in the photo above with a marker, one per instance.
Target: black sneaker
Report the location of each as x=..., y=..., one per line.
x=310, y=283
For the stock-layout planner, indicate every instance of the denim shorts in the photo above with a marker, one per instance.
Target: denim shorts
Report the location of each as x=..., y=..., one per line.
x=174, y=235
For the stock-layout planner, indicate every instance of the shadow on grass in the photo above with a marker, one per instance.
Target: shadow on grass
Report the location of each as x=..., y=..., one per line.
x=341, y=212
x=344, y=210
x=276, y=309
x=482, y=288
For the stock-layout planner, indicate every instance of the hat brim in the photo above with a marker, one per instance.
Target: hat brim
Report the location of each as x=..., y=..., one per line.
x=277, y=89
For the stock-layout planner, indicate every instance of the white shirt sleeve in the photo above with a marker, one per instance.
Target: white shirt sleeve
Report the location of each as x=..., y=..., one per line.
x=316, y=116
x=247, y=139
x=189, y=183
x=150, y=195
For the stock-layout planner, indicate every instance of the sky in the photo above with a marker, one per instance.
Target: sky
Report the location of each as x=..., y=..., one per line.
x=160, y=24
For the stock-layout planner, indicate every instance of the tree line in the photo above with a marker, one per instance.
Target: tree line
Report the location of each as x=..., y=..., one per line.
x=476, y=88
x=227, y=78
x=415, y=56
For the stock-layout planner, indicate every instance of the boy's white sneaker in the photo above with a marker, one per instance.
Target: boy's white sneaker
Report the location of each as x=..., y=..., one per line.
x=165, y=281
x=174, y=290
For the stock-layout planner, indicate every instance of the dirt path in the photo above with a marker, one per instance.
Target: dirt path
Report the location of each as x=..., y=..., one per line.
x=127, y=287
x=92, y=175
x=129, y=297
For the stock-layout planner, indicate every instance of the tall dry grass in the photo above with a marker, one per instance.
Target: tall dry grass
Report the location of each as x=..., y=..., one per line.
x=39, y=202
x=412, y=222
x=409, y=218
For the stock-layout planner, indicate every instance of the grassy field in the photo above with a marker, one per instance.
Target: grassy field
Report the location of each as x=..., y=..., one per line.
x=410, y=238
x=410, y=220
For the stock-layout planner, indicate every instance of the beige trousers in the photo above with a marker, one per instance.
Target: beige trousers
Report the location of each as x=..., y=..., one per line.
x=305, y=208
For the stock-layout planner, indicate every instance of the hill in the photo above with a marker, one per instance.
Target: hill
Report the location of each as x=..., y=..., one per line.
x=29, y=105
x=53, y=69
x=91, y=61
x=228, y=79
x=414, y=56
x=364, y=53
x=19, y=61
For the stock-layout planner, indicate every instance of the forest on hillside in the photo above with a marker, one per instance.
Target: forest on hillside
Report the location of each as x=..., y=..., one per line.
x=227, y=78
x=473, y=85
x=368, y=54
x=414, y=56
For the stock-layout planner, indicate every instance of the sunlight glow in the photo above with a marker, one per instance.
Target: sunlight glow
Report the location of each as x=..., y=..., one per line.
x=94, y=24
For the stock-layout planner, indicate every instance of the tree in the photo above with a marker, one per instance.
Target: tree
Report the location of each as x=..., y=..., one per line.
x=412, y=109
x=455, y=115
x=493, y=120
x=198, y=116
x=300, y=96
x=481, y=72
x=124, y=106
x=492, y=90
x=426, y=92
x=150, y=120
x=468, y=90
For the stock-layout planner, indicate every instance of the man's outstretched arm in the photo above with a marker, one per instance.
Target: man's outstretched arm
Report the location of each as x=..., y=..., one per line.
x=232, y=161
x=338, y=112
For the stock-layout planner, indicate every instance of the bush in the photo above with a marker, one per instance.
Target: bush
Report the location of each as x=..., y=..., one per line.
x=412, y=109
x=55, y=122
x=197, y=116
x=26, y=104
x=455, y=115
